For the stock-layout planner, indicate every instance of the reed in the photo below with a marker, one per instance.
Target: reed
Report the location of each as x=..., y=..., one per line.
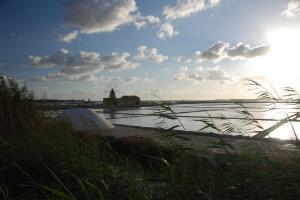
x=50, y=163
x=17, y=111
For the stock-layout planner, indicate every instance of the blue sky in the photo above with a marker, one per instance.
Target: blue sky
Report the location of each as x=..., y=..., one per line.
x=184, y=49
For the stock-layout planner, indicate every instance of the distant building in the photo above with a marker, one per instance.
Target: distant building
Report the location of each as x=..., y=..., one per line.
x=124, y=101
x=111, y=101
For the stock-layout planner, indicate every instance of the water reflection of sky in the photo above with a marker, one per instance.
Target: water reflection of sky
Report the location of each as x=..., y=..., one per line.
x=190, y=112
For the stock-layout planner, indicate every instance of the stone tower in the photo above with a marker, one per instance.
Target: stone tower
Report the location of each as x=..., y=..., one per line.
x=112, y=94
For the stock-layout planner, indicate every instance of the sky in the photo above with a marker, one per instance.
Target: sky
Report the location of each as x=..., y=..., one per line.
x=166, y=49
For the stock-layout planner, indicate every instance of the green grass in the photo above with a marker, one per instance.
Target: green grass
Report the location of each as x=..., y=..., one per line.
x=42, y=158
x=54, y=164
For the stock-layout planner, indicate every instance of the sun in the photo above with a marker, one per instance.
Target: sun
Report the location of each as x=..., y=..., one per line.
x=285, y=49
x=282, y=63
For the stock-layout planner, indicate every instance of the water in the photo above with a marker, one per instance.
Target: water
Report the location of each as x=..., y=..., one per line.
x=188, y=113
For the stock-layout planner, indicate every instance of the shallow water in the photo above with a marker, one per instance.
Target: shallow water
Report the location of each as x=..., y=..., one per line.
x=188, y=113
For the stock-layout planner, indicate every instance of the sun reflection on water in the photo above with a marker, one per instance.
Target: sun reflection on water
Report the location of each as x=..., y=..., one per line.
x=286, y=131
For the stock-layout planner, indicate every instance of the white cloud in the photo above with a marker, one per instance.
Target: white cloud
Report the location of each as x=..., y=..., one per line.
x=83, y=66
x=83, y=61
x=180, y=76
x=215, y=53
x=221, y=50
x=131, y=80
x=246, y=51
x=196, y=76
x=59, y=58
x=181, y=59
x=153, y=20
x=98, y=16
x=166, y=30
x=108, y=78
x=95, y=16
x=217, y=74
x=68, y=37
x=185, y=8
x=199, y=74
x=150, y=54
x=118, y=62
x=213, y=2
x=199, y=69
x=140, y=21
x=88, y=59
x=81, y=78
x=94, y=78
x=183, y=68
x=293, y=9
x=134, y=79
x=183, y=74
x=88, y=78
x=178, y=59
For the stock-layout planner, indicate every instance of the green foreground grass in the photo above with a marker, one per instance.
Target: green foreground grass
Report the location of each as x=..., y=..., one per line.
x=53, y=163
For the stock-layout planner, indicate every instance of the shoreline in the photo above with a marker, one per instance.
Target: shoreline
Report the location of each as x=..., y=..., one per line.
x=210, y=134
x=203, y=140
x=150, y=104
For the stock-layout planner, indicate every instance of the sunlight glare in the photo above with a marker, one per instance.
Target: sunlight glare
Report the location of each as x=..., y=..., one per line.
x=282, y=63
x=284, y=53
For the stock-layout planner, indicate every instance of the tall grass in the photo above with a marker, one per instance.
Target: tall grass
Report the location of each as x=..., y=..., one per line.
x=246, y=125
x=274, y=98
x=17, y=110
x=51, y=163
x=55, y=165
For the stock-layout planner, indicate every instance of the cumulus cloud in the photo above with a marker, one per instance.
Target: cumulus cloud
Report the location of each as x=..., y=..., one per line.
x=183, y=74
x=84, y=58
x=140, y=21
x=94, y=16
x=185, y=8
x=150, y=54
x=94, y=78
x=152, y=19
x=68, y=37
x=167, y=30
x=82, y=66
x=59, y=58
x=196, y=76
x=81, y=78
x=217, y=74
x=131, y=80
x=83, y=61
x=215, y=53
x=246, y=51
x=134, y=79
x=118, y=62
x=293, y=9
x=199, y=74
x=221, y=50
x=181, y=59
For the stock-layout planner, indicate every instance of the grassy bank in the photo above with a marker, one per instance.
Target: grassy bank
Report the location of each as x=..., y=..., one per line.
x=43, y=158
x=54, y=164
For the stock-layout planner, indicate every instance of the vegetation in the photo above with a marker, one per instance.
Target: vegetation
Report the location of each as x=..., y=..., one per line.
x=43, y=159
x=16, y=107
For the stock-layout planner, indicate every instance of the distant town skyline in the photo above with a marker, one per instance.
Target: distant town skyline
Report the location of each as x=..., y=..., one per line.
x=183, y=49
